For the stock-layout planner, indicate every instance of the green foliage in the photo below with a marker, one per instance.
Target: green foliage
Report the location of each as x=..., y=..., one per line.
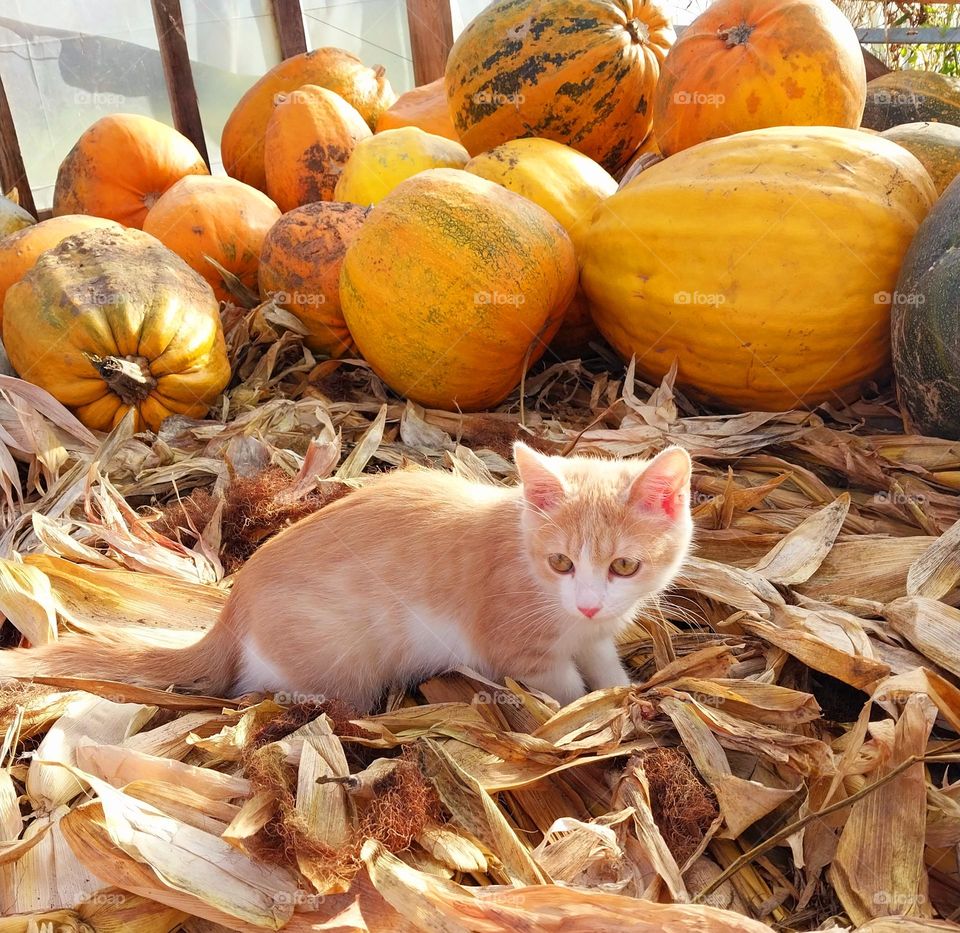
x=942, y=57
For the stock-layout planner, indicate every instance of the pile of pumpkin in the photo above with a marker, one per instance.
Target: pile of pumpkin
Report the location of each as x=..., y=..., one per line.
x=738, y=201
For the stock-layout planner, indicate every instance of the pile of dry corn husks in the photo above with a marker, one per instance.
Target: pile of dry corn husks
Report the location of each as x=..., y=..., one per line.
x=787, y=759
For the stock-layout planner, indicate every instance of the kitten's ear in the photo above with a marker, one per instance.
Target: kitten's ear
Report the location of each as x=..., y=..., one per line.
x=542, y=487
x=664, y=486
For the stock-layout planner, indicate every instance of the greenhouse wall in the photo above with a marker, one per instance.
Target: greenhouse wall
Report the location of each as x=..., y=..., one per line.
x=65, y=63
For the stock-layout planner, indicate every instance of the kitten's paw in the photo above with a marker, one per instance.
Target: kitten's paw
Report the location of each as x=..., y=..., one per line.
x=563, y=683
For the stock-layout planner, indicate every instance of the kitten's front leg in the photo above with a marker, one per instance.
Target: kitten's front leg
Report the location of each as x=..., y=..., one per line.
x=562, y=682
x=600, y=665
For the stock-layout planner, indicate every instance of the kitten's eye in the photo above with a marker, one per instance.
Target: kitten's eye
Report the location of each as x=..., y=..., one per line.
x=560, y=563
x=624, y=567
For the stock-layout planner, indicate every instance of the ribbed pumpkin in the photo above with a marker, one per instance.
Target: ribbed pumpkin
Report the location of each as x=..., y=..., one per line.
x=424, y=107
x=300, y=267
x=912, y=97
x=762, y=262
x=111, y=320
x=19, y=251
x=218, y=217
x=581, y=72
x=13, y=218
x=366, y=89
x=452, y=284
x=567, y=184
x=936, y=145
x=309, y=139
x=926, y=322
x=379, y=163
x=120, y=166
x=747, y=64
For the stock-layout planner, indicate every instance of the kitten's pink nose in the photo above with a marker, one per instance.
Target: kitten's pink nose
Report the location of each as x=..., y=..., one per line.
x=589, y=611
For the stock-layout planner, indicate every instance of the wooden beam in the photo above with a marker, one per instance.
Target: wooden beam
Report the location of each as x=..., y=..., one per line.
x=288, y=17
x=181, y=91
x=431, y=37
x=12, y=171
x=909, y=35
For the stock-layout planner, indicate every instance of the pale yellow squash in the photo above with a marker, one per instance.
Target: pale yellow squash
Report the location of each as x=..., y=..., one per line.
x=763, y=263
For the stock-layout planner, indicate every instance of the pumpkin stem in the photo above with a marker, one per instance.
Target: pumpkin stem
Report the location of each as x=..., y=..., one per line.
x=639, y=31
x=127, y=376
x=736, y=35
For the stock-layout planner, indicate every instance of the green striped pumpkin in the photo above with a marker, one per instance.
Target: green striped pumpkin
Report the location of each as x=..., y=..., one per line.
x=580, y=72
x=911, y=97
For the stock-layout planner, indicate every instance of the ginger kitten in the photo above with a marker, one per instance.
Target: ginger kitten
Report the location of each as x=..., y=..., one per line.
x=421, y=571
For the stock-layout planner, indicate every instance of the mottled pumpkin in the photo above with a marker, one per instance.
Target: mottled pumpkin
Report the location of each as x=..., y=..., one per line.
x=912, y=97
x=13, y=217
x=936, y=145
x=747, y=64
x=452, y=285
x=120, y=166
x=310, y=137
x=581, y=72
x=300, y=268
x=763, y=263
x=379, y=163
x=424, y=107
x=925, y=323
x=567, y=184
x=367, y=90
x=219, y=217
x=111, y=320
x=19, y=251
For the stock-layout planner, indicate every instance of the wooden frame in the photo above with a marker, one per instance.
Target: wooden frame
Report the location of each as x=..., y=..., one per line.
x=431, y=37
x=181, y=91
x=12, y=172
x=288, y=16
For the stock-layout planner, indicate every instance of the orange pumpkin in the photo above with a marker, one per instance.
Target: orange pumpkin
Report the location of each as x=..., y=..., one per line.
x=19, y=251
x=219, y=217
x=366, y=89
x=749, y=64
x=453, y=285
x=120, y=166
x=424, y=107
x=309, y=138
x=568, y=185
x=300, y=267
x=581, y=72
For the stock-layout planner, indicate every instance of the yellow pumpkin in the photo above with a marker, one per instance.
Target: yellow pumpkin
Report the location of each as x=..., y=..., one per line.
x=567, y=184
x=20, y=250
x=380, y=162
x=452, y=285
x=762, y=262
x=110, y=320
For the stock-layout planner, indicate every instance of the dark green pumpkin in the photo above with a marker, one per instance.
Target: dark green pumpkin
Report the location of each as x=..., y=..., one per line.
x=926, y=322
x=911, y=97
